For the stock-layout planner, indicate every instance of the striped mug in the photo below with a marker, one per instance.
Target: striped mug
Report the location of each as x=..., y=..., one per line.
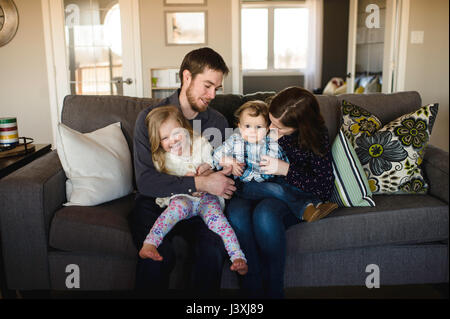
x=9, y=135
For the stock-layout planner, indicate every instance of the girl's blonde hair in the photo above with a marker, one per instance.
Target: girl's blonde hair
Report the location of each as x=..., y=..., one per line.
x=154, y=119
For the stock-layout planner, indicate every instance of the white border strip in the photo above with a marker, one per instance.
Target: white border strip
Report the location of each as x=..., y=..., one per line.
x=403, y=46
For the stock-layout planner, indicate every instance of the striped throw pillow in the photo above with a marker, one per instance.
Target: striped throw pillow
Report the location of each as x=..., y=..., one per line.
x=351, y=187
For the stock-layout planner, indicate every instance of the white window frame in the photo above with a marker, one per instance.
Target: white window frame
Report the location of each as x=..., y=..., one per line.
x=270, y=53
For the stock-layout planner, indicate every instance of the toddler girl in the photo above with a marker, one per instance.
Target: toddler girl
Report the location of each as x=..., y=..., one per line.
x=176, y=150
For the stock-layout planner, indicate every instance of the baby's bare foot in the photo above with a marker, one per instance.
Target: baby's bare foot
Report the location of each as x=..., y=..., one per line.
x=240, y=266
x=150, y=251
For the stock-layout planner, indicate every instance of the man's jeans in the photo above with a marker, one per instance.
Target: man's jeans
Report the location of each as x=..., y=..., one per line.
x=206, y=250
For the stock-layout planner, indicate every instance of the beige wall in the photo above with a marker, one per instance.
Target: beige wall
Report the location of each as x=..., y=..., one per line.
x=23, y=75
x=156, y=54
x=23, y=72
x=427, y=63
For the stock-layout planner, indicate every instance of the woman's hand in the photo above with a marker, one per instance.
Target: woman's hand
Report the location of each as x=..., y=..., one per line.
x=273, y=166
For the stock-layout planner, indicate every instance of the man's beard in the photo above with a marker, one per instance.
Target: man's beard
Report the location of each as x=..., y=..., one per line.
x=192, y=101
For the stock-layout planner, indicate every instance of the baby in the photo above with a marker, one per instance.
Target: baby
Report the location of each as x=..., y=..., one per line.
x=246, y=150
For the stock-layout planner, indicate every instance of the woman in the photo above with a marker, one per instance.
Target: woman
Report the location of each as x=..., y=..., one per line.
x=260, y=224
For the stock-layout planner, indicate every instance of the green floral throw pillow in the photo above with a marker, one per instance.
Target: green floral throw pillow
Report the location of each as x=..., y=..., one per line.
x=391, y=155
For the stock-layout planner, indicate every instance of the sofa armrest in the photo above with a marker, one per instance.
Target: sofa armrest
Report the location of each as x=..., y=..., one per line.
x=28, y=199
x=435, y=165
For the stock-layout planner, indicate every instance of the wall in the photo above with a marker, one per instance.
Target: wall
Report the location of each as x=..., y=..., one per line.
x=23, y=75
x=335, y=39
x=23, y=80
x=155, y=53
x=275, y=83
x=427, y=64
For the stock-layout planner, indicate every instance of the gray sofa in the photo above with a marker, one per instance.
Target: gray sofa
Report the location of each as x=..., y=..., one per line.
x=406, y=236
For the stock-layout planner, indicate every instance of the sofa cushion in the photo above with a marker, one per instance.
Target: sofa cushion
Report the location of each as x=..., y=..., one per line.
x=226, y=104
x=103, y=228
x=396, y=219
x=331, y=112
x=102, y=111
x=391, y=155
x=351, y=187
x=387, y=107
x=97, y=164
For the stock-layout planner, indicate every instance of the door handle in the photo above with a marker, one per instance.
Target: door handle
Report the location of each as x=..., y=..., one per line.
x=127, y=81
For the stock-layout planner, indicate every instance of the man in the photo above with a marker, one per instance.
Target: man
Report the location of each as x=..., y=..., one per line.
x=201, y=74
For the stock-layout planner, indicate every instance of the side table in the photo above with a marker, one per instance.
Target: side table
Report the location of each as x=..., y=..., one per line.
x=7, y=166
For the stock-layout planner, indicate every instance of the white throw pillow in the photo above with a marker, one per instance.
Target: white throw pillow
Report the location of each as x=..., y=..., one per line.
x=97, y=165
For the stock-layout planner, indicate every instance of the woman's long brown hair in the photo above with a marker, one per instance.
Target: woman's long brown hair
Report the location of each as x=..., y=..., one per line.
x=155, y=118
x=298, y=108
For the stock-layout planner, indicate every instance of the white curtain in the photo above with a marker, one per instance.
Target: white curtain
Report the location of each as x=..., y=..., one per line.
x=313, y=72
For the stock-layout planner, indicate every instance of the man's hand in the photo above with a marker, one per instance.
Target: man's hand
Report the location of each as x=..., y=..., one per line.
x=216, y=183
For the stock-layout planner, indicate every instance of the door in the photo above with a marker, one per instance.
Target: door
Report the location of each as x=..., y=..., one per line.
x=97, y=61
x=92, y=47
x=371, y=45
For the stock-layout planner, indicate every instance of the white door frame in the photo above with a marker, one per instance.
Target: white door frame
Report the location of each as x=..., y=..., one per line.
x=56, y=58
x=399, y=81
x=236, y=68
x=130, y=21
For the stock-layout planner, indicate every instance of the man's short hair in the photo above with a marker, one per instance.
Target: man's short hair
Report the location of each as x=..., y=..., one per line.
x=197, y=60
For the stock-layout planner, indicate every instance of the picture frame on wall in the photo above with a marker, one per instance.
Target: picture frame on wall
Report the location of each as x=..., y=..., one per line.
x=186, y=27
x=184, y=2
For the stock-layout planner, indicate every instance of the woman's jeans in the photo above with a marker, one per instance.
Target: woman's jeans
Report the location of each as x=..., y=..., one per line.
x=260, y=224
x=278, y=188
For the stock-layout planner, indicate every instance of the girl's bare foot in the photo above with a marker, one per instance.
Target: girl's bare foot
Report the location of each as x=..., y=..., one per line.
x=240, y=266
x=150, y=251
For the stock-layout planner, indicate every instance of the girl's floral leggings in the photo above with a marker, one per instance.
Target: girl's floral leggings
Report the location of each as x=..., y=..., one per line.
x=208, y=208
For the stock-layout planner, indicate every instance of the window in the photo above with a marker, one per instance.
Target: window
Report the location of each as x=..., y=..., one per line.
x=274, y=38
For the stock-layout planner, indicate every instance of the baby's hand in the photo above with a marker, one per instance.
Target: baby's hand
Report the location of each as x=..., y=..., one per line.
x=204, y=169
x=190, y=174
x=237, y=168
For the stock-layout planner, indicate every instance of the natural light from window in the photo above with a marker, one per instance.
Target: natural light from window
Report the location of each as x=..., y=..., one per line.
x=290, y=38
x=254, y=38
x=112, y=29
x=284, y=47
